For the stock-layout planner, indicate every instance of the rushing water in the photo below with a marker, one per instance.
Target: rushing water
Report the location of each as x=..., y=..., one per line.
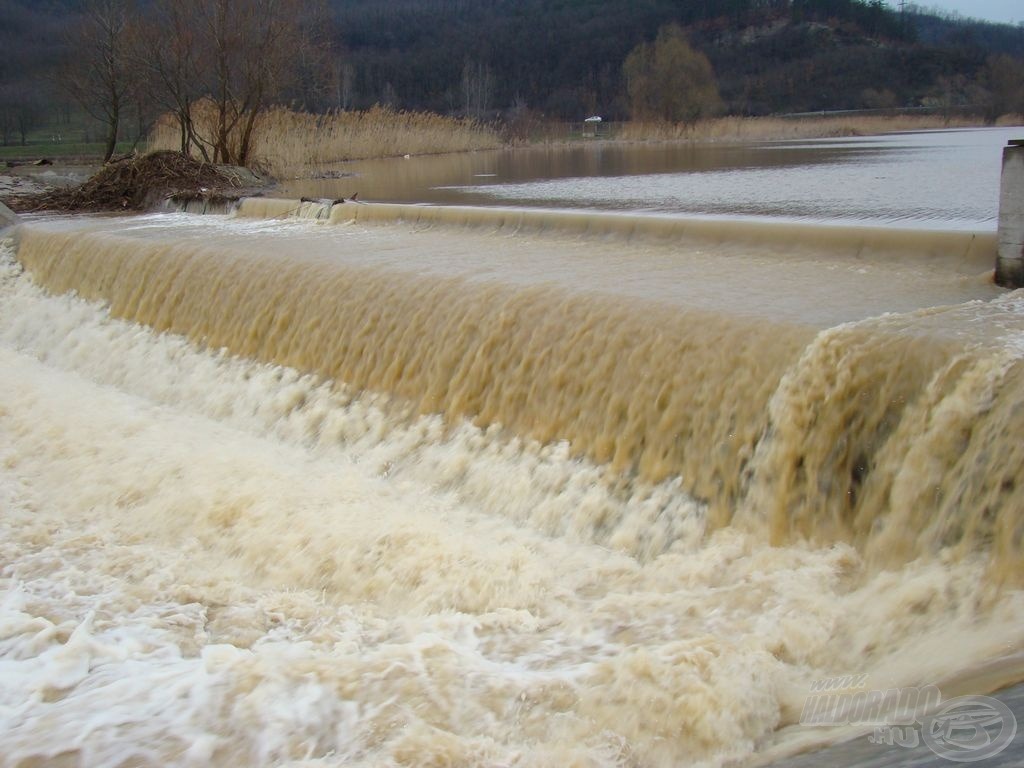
x=401, y=485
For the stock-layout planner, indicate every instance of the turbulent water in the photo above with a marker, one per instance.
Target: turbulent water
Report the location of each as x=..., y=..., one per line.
x=372, y=485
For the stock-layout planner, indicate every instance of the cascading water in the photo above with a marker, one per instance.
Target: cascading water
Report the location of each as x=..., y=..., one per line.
x=415, y=486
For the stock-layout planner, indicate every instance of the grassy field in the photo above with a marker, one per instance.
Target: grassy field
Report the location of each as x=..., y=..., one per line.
x=59, y=150
x=71, y=134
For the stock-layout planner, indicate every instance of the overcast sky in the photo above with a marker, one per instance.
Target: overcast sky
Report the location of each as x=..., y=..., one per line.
x=1007, y=11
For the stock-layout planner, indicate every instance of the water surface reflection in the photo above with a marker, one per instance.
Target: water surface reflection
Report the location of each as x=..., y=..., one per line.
x=934, y=179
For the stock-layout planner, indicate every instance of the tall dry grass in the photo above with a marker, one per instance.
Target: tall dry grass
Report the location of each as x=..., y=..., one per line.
x=779, y=128
x=292, y=144
x=289, y=144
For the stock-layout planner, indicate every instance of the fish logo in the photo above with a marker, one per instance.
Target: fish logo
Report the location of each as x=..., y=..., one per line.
x=969, y=728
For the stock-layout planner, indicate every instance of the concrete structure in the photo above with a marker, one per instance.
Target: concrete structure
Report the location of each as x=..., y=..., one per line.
x=1010, y=258
x=7, y=217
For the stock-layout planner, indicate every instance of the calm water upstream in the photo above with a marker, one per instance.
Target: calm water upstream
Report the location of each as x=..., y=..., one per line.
x=935, y=179
x=617, y=482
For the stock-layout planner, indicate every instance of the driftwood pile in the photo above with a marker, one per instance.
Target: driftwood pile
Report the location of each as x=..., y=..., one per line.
x=133, y=184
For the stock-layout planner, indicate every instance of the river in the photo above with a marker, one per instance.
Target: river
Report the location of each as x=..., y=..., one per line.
x=602, y=467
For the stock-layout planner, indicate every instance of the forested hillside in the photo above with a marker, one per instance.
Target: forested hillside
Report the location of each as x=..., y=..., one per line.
x=563, y=59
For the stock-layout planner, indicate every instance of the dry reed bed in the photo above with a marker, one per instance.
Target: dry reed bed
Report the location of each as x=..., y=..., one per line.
x=780, y=128
x=289, y=143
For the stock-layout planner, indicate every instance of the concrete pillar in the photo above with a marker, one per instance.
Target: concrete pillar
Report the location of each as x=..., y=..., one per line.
x=1010, y=258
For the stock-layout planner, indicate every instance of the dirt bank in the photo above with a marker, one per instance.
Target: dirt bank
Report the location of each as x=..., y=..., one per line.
x=134, y=183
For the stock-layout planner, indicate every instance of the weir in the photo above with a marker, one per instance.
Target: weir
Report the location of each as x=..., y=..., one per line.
x=1010, y=259
x=621, y=498
x=877, y=432
x=968, y=251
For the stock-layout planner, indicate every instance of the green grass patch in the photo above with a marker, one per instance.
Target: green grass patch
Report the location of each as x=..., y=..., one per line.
x=50, y=149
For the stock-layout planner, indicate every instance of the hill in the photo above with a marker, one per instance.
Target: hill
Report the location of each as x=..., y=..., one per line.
x=562, y=59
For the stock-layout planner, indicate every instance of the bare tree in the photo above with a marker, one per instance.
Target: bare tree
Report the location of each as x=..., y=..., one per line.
x=99, y=75
x=477, y=89
x=214, y=65
x=8, y=115
x=217, y=65
x=314, y=71
x=169, y=52
x=251, y=51
x=28, y=113
x=345, y=82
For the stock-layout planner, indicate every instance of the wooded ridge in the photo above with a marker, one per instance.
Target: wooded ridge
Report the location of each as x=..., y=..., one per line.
x=563, y=59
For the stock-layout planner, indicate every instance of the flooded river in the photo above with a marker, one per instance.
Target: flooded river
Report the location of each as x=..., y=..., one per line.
x=936, y=179
x=536, y=474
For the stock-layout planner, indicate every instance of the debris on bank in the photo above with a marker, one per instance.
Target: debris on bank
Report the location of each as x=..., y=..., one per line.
x=139, y=182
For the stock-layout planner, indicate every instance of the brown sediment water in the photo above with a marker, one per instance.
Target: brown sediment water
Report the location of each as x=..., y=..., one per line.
x=371, y=484
x=652, y=391
x=971, y=251
x=900, y=179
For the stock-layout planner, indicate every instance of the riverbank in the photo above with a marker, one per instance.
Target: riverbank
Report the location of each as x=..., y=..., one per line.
x=30, y=178
x=292, y=145
x=825, y=126
x=296, y=155
x=132, y=183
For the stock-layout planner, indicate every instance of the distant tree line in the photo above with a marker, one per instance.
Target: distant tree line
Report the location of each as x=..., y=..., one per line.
x=564, y=60
x=27, y=53
x=126, y=61
x=229, y=58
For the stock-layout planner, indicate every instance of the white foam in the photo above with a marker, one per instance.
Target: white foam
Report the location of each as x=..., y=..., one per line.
x=205, y=560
